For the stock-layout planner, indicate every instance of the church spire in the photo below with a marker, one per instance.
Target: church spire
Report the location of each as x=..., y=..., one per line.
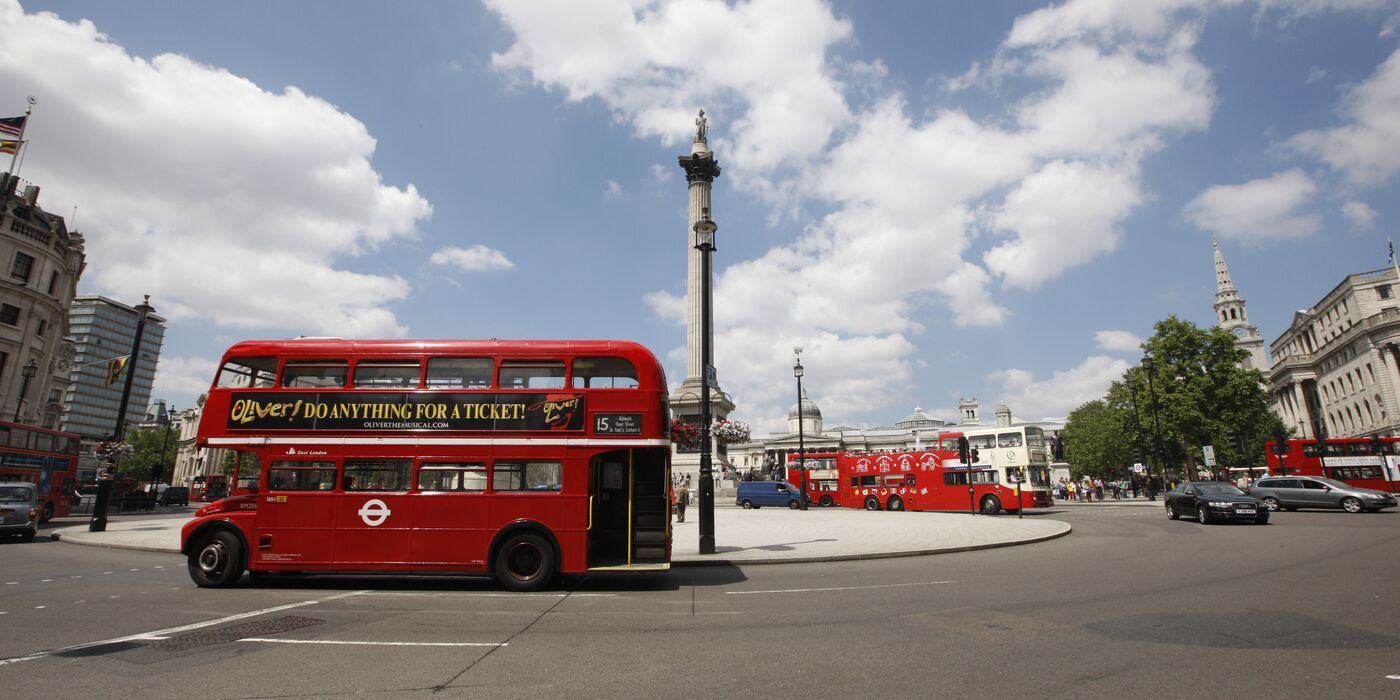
x=1230, y=314
x=1223, y=285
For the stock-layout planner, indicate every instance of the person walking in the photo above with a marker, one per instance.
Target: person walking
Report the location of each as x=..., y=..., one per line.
x=682, y=498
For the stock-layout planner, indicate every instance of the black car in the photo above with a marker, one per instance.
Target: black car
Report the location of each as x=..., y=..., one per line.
x=175, y=496
x=1211, y=501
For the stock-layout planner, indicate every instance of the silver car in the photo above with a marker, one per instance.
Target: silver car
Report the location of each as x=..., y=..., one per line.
x=19, y=510
x=1294, y=492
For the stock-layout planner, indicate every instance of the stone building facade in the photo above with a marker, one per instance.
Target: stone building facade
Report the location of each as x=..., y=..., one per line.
x=1337, y=368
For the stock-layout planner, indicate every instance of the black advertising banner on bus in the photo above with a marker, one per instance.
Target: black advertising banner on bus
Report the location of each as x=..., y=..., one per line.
x=507, y=412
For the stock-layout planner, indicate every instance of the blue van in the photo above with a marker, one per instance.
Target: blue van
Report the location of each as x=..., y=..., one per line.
x=756, y=494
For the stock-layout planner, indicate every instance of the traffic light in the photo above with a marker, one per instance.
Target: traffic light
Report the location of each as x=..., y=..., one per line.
x=156, y=471
x=963, y=451
x=1281, y=446
x=972, y=456
x=1137, y=455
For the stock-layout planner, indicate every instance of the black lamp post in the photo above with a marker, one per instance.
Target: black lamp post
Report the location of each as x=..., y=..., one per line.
x=1156, y=426
x=30, y=369
x=104, y=484
x=801, y=446
x=164, y=446
x=1137, y=423
x=705, y=243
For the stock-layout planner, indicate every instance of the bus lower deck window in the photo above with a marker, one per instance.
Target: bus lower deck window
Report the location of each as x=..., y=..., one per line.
x=457, y=476
x=376, y=474
x=527, y=476
x=301, y=476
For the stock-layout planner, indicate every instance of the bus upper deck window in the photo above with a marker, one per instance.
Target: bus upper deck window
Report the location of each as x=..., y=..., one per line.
x=532, y=374
x=387, y=374
x=314, y=374
x=1009, y=440
x=459, y=373
x=247, y=373
x=604, y=373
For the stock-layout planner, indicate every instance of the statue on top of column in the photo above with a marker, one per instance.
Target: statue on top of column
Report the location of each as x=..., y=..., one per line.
x=702, y=125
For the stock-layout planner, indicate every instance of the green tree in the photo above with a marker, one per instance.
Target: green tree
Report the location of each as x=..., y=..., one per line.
x=1095, y=443
x=153, y=446
x=1196, y=394
x=1203, y=396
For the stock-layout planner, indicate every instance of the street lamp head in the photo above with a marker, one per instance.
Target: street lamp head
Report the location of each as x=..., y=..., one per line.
x=30, y=369
x=1147, y=363
x=705, y=234
x=797, y=368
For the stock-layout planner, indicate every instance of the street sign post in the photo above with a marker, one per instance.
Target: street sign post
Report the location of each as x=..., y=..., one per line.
x=1209, y=451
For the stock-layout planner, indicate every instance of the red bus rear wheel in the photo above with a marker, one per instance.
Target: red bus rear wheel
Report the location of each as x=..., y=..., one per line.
x=525, y=562
x=896, y=503
x=826, y=501
x=872, y=503
x=991, y=505
x=48, y=512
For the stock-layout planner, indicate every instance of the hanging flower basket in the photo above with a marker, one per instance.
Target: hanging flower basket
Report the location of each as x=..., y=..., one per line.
x=732, y=432
x=113, y=450
x=685, y=434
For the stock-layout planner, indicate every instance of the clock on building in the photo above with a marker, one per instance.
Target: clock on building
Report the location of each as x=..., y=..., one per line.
x=1239, y=331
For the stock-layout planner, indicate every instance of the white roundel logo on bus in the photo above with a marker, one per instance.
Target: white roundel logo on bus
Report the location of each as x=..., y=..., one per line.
x=1011, y=455
x=374, y=512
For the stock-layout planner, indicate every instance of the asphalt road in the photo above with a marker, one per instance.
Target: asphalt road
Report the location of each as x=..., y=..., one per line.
x=1129, y=605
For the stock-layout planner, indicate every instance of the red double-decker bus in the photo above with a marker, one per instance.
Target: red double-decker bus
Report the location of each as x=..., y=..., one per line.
x=518, y=459
x=818, y=471
x=46, y=458
x=1353, y=461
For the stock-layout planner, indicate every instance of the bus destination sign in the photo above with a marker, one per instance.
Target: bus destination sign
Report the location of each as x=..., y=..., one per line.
x=407, y=411
x=617, y=424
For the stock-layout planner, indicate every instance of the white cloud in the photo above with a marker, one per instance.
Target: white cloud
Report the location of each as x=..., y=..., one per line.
x=1262, y=209
x=1063, y=392
x=612, y=189
x=661, y=173
x=477, y=258
x=1062, y=216
x=1118, y=341
x=183, y=376
x=144, y=147
x=1361, y=216
x=1367, y=149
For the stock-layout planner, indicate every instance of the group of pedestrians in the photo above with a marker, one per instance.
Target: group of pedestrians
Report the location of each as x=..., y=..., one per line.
x=1090, y=489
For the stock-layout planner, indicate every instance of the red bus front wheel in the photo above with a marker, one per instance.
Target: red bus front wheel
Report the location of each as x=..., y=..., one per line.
x=826, y=501
x=525, y=562
x=217, y=563
x=872, y=503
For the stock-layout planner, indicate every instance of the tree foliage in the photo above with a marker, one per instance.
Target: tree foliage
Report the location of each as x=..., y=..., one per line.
x=1196, y=394
x=153, y=446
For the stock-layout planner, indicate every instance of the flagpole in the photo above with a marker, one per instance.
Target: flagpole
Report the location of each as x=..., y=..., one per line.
x=15, y=160
x=1394, y=266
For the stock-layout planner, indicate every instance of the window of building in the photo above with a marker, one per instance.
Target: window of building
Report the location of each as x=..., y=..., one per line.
x=376, y=474
x=387, y=374
x=9, y=314
x=459, y=373
x=22, y=266
x=527, y=476
x=1383, y=291
x=43, y=326
x=53, y=282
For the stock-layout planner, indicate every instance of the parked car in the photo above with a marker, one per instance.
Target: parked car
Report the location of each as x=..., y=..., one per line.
x=175, y=496
x=1294, y=492
x=756, y=494
x=1210, y=501
x=19, y=510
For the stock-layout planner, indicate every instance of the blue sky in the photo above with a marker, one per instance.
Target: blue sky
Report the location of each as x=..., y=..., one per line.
x=935, y=199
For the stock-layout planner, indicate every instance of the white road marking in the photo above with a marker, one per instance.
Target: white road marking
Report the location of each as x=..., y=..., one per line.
x=12, y=583
x=45, y=580
x=517, y=596
x=76, y=576
x=40, y=607
x=374, y=644
x=843, y=588
x=1393, y=677
x=162, y=633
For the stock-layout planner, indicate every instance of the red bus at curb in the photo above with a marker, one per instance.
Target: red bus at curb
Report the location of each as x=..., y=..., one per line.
x=523, y=460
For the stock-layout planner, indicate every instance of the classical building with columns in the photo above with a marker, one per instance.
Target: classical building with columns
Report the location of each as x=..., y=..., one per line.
x=1336, y=369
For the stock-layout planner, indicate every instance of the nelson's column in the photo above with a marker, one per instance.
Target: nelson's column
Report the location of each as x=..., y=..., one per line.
x=701, y=169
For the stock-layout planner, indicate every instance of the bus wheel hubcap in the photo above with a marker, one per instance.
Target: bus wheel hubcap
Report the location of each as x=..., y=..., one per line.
x=524, y=561
x=211, y=559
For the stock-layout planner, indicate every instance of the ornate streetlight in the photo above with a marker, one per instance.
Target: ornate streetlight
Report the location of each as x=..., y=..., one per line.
x=104, y=484
x=165, y=422
x=1147, y=365
x=801, y=446
x=30, y=369
x=705, y=243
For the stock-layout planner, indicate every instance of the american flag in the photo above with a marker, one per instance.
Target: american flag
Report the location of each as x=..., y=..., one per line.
x=12, y=126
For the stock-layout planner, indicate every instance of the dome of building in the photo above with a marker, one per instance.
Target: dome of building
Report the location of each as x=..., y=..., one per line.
x=918, y=419
x=809, y=409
